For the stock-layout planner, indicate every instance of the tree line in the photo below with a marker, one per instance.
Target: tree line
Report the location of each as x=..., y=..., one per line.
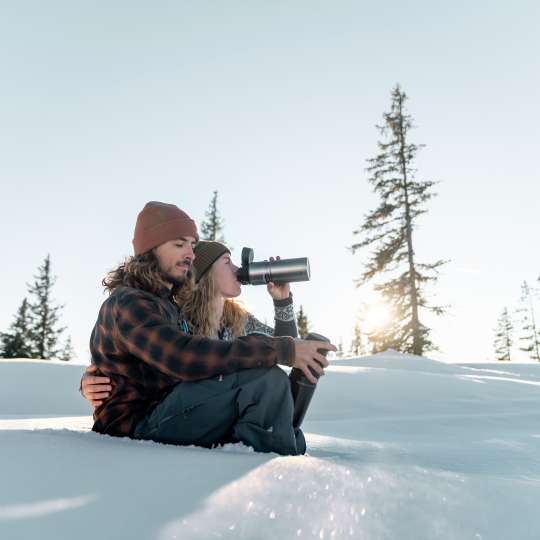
x=523, y=317
x=403, y=280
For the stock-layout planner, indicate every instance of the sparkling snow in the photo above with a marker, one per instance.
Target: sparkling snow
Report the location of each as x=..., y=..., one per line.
x=399, y=447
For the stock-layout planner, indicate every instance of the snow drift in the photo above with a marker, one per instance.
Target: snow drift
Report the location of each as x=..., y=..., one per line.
x=399, y=447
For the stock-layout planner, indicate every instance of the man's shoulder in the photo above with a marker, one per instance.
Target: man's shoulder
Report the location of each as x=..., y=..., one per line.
x=124, y=293
x=124, y=296
x=131, y=303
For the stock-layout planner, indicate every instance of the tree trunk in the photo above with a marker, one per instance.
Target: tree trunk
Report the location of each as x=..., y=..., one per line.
x=533, y=322
x=417, y=339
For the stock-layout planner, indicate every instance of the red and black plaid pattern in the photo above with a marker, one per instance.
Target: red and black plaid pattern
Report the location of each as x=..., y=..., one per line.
x=138, y=343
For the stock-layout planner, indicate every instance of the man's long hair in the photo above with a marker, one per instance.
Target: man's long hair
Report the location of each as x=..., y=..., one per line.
x=143, y=272
x=202, y=313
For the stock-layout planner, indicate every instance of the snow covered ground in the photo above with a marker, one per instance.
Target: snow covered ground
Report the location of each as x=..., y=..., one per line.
x=400, y=447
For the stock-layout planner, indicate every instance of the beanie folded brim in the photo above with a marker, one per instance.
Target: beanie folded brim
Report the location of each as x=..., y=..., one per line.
x=206, y=254
x=164, y=232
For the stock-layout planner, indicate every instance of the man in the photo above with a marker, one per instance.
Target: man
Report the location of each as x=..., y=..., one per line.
x=169, y=386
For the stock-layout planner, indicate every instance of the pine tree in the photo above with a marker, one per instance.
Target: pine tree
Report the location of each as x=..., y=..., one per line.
x=357, y=345
x=44, y=314
x=503, y=337
x=17, y=342
x=389, y=230
x=339, y=352
x=212, y=227
x=530, y=337
x=67, y=352
x=302, y=323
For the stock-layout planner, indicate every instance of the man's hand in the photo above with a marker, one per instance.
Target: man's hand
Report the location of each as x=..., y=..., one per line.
x=94, y=388
x=306, y=356
x=278, y=291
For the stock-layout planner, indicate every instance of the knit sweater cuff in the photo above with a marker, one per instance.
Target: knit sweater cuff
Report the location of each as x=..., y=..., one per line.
x=285, y=302
x=284, y=309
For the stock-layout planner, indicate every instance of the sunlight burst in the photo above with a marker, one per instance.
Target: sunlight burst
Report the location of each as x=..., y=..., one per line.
x=377, y=316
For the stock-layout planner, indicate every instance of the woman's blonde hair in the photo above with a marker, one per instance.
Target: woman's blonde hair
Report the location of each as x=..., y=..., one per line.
x=202, y=313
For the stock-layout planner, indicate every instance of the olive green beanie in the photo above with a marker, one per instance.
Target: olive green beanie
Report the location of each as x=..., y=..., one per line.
x=206, y=254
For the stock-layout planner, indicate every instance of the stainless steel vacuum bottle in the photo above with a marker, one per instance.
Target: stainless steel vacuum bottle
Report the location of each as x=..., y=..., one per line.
x=262, y=272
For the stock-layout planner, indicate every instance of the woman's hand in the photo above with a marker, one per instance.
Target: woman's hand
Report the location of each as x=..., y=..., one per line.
x=95, y=389
x=278, y=291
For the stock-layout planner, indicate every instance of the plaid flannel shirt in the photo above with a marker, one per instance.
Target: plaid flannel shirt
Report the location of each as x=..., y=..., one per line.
x=138, y=342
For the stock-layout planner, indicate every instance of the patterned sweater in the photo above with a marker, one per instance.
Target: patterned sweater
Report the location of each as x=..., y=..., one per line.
x=283, y=317
x=137, y=341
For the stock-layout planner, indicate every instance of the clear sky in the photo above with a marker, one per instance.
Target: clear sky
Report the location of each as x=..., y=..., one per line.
x=107, y=105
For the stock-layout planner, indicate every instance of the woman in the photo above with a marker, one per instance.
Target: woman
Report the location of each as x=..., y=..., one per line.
x=211, y=310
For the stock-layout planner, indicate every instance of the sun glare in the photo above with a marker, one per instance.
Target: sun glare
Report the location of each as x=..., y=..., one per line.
x=377, y=316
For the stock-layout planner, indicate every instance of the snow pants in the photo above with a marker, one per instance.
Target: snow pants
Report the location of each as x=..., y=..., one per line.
x=254, y=406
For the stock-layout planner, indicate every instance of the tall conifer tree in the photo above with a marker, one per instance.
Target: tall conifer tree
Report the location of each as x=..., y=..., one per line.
x=302, y=323
x=17, y=341
x=45, y=315
x=212, y=226
x=530, y=337
x=388, y=230
x=503, y=337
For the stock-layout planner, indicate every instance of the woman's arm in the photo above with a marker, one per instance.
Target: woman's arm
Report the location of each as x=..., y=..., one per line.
x=284, y=317
x=285, y=321
x=283, y=308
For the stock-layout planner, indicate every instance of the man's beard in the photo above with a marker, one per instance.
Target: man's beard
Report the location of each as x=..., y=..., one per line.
x=176, y=281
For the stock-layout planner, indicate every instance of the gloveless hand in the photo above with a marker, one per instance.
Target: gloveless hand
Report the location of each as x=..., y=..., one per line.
x=95, y=388
x=306, y=356
x=278, y=291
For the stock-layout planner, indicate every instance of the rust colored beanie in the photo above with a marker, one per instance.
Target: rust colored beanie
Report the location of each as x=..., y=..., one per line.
x=160, y=222
x=206, y=254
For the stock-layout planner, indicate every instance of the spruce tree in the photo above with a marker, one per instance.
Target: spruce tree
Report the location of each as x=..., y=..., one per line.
x=212, y=226
x=67, y=352
x=357, y=345
x=503, y=337
x=302, y=323
x=339, y=352
x=530, y=336
x=44, y=314
x=17, y=341
x=388, y=230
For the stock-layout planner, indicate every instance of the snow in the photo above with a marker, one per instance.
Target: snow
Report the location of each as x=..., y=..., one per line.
x=399, y=447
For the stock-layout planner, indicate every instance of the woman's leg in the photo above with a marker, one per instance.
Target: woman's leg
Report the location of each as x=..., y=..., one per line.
x=253, y=406
x=202, y=413
x=265, y=409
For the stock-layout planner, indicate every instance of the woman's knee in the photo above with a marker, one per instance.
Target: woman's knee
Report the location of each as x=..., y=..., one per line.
x=278, y=376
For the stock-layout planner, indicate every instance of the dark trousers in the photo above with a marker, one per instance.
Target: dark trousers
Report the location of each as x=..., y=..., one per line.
x=254, y=406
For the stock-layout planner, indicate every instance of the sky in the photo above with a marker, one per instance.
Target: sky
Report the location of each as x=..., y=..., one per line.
x=107, y=105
